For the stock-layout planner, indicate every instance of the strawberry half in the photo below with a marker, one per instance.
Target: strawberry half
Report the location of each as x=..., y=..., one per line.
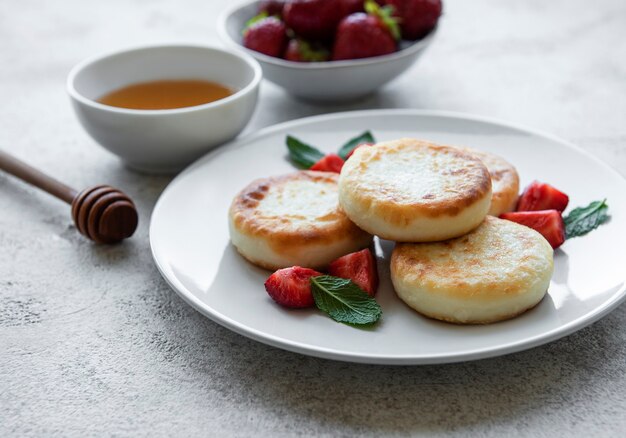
x=291, y=287
x=549, y=223
x=358, y=146
x=329, y=163
x=541, y=196
x=360, y=267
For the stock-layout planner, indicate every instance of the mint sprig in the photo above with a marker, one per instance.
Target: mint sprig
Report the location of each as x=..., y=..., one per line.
x=582, y=220
x=344, y=301
x=365, y=137
x=302, y=154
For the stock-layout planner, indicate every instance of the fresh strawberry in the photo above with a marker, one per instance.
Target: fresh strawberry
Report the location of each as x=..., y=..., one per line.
x=299, y=50
x=291, y=287
x=541, y=196
x=329, y=163
x=272, y=7
x=352, y=6
x=358, y=146
x=363, y=35
x=360, y=267
x=313, y=19
x=548, y=223
x=417, y=17
x=267, y=35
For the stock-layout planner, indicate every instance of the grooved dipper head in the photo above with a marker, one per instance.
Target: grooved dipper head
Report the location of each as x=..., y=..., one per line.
x=104, y=214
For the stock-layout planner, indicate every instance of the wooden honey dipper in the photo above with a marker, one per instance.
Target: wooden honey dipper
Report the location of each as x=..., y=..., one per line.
x=101, y=213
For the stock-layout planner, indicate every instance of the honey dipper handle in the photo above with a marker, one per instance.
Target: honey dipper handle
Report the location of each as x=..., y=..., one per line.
x=23, y=171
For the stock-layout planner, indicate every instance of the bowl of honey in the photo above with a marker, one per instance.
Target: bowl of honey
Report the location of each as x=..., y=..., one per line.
x=159, y=108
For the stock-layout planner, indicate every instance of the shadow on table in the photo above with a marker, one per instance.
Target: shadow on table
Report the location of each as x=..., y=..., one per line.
x=412, y=399
x=344, y=398
x=285, y=107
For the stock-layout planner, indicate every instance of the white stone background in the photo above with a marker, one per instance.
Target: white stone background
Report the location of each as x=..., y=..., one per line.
x=92, y=340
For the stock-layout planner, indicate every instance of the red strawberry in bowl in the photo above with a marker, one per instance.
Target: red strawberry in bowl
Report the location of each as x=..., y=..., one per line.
x=291, y=287
x=548, y=223
x=363, y=35
x=417, y=17
x=352, y=6
x=360, y=267
x=267, y=35
x=313, y=19
x=299, y=50
x=541, y=196
x=272, y=7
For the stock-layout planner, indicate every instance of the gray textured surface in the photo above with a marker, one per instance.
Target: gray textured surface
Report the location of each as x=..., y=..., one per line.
x=93, y=342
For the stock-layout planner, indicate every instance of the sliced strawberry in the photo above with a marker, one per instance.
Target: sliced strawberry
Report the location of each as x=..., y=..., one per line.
x=360, y=267
x=356, y=147
x=329, y=163
x=548, y=223
x=542, y=196
x=291, y=287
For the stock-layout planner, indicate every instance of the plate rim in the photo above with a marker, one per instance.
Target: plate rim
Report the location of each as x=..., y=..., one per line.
x=371, y=358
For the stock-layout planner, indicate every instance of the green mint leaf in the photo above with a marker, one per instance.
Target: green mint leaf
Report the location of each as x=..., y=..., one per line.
x=581, y=220
x=251, y=22
x=302, y=154
x=365, y=137
x=344, y=301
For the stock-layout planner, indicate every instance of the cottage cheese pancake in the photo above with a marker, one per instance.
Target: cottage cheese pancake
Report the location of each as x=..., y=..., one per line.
x=504, y=182
x=498, y=271
x=414, y=191
x=293, y=219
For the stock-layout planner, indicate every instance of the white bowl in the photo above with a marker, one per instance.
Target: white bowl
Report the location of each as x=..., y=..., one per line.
x=322, y=81
x=164, y=140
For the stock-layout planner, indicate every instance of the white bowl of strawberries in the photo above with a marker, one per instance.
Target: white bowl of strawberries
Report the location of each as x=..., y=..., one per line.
x=332, y=50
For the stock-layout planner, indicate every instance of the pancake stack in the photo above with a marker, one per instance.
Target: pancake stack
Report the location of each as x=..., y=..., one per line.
x=452, y=261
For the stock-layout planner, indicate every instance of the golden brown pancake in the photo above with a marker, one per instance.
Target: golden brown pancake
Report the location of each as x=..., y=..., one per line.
x=293, y=219
x=410, y=190
x=498, y=271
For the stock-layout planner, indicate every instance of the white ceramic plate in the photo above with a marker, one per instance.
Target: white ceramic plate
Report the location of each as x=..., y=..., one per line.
x=190, y=244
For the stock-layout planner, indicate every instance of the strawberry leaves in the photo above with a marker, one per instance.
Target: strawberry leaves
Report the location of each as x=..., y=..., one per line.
x=310, y=53
x=252, y=21
x=385, y=15
x=344, y=301
x=305, y=156
x=582, y=220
